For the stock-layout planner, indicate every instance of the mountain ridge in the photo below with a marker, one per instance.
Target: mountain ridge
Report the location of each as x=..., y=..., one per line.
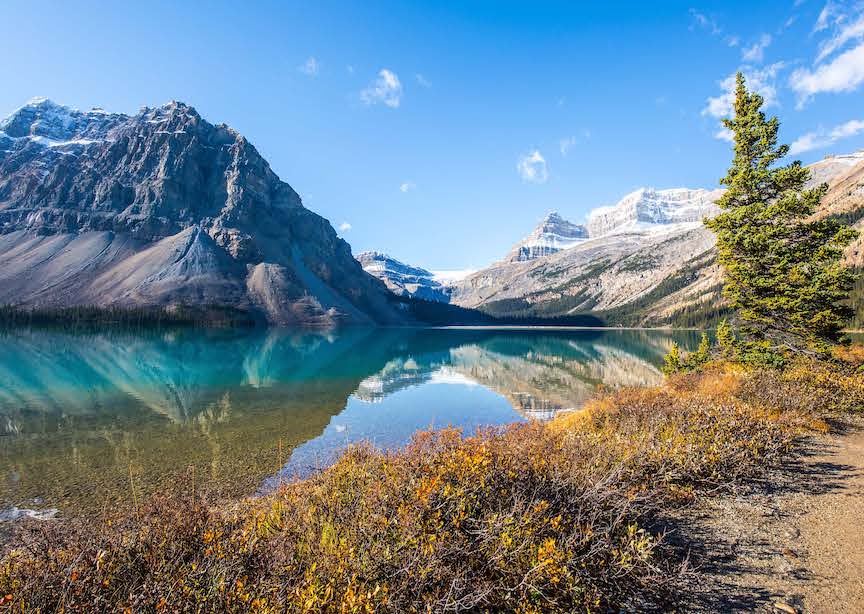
x=164, y=208
x=647, y=263
x=402, y=279
x=647, y=260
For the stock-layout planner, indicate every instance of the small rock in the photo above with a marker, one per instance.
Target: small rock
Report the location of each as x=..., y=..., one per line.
x=784, y=607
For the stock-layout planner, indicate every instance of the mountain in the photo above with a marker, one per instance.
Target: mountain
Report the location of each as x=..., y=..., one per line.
x=648, y=260
x=834, y=167
x=552, y=235
x=649, y=209
x=403, y=279
x=597, y=276
x=164, y=209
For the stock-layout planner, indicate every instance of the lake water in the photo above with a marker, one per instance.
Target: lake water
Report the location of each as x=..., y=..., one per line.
x=92, y=420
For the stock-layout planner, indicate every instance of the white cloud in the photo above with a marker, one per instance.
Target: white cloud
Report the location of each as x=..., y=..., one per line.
x=532, y=167
x=705, y=22
x=565, y=145
x=407, y=186
x=839, y=62
x=344, y=227
x=821, y=139
x=724, y=134
x=850, y=128
x=756, y=52
x=759, y=80
x=423, y=81
x=842, y=74
x=825, y=15
x=788, y=23
x=845, y=32
x=804, y=143
x=310, y=67
x=386, y=89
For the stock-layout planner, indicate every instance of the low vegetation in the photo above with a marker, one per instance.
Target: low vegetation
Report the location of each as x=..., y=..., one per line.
x=84, y=316
x=553, y=517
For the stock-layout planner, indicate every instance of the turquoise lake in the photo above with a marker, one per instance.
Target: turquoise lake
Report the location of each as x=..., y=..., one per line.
x=91, y=420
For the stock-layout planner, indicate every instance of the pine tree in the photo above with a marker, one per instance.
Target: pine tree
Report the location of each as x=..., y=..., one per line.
x=783, y=272
x=672, y=361
x=702, y=354
x=726, y=339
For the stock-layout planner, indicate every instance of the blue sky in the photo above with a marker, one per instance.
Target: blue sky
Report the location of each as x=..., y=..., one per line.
x=442, y=131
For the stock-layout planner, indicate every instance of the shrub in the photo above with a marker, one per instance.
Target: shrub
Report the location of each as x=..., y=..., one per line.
x=672, y=362
x=676, y=362
x=516, y=519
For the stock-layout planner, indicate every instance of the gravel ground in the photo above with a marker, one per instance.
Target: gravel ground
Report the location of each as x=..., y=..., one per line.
x=792, y=542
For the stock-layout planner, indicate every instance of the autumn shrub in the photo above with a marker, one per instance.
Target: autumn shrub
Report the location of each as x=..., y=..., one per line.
x=537, y=517
x=851, y=355
x=518, y=519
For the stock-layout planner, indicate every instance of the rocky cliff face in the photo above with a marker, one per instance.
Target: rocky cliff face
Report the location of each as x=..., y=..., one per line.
x=163, y=208
x=552, y=235
x=403, y=279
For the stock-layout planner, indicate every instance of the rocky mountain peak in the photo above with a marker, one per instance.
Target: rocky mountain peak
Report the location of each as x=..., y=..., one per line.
x=552, y=234
x=553, y=217
x=181, y=210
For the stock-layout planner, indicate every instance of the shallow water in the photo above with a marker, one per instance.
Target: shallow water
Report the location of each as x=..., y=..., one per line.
x=92, y=420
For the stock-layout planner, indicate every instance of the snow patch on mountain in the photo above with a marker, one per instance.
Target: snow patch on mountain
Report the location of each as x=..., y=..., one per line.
x=447, y=277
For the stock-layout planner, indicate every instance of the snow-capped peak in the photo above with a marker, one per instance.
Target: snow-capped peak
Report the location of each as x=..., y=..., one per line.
x=403, y=279
x=647, y=207
x=48, y=123
x=553, y=234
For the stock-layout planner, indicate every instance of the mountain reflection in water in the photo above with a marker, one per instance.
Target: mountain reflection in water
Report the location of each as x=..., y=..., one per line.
x=89, y=420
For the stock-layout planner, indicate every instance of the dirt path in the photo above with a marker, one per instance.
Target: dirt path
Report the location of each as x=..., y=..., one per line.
x=794, y=543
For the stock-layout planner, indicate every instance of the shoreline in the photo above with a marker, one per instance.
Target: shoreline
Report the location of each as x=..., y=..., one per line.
x=561, y=328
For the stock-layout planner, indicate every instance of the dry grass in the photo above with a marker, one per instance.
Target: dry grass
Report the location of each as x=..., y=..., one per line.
x=529, y=518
